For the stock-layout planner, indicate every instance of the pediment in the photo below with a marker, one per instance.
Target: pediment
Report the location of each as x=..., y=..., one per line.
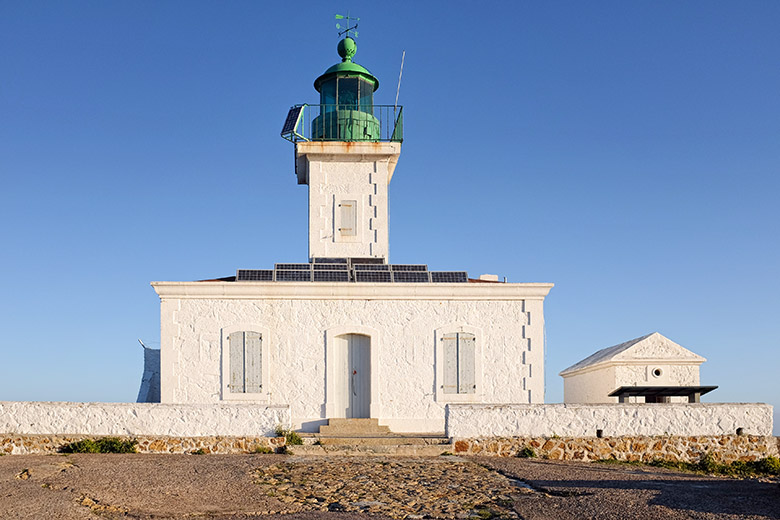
x=653, y=346
x=656, y=346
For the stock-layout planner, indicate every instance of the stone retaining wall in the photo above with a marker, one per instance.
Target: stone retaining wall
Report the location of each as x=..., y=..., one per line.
x=585, y=420
x=141, y=419
x=44, y=444
x=724, y=448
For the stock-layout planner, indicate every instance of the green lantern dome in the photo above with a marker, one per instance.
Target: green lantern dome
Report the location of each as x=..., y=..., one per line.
x=346, y=100
x=346, y=111
x=347, y=68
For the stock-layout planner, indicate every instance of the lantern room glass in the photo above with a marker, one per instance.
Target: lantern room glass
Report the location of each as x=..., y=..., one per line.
x=347, y=93
x=328, y=93
x=366, y=96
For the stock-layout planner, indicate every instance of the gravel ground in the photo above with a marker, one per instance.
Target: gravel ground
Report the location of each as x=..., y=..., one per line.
x=238, y=487
x=569, y=490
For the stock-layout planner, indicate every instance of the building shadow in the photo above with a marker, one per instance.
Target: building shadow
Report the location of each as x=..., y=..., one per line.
x=704, y=495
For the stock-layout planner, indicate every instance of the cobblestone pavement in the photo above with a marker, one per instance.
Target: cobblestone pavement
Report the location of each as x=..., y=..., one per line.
x=252, y=487
x=444, y=487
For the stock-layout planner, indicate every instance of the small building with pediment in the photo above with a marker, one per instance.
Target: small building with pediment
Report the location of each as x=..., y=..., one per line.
x=650, y=369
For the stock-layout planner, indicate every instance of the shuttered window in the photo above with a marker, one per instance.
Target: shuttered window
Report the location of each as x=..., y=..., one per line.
x=348, y=218
x=459, y=363
x=246, y=362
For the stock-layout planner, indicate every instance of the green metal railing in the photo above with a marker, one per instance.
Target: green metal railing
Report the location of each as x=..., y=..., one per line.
x=372, y=123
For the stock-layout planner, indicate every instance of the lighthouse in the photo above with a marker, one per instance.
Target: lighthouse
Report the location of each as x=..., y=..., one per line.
x=348, y=335
x=346, y=151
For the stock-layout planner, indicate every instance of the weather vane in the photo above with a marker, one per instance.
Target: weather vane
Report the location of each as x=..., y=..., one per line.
x=349, y=27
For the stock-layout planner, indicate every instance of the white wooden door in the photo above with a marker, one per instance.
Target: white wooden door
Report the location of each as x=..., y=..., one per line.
x=353, y=376
x=359, y=361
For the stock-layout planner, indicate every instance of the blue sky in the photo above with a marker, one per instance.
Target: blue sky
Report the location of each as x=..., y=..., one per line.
x=628, y=152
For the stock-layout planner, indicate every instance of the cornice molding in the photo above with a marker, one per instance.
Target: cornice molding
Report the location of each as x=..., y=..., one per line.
x=350, y=291
x=631, y=362
x=357, y=149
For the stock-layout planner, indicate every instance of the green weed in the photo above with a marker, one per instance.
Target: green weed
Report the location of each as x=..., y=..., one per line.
x=102, y=445
x=291, y=437
x=527, y=453
x=706, y=464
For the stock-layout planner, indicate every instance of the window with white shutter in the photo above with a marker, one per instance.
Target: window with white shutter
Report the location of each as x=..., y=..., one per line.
x=348, y=218
x=458, y=374
x=246, y=362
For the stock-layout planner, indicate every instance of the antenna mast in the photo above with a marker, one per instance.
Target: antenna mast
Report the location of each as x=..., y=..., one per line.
x=395, y=107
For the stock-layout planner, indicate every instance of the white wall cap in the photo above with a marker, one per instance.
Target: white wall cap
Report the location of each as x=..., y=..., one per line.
x=617, y=419
x=351, y=291
x=349, y=151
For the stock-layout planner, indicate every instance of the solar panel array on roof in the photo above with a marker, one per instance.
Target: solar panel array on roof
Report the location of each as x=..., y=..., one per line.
x=255, y=275
x=330, y=267
x=409, y=267
x=449, y=277
x=369, y=260
x=411, y=276
x=331, y=276
x=373, y=276
x=364, y=270
x=371, y=267
x=330, y=260
x=285, y=267
x=292, y=120
x=293, y=276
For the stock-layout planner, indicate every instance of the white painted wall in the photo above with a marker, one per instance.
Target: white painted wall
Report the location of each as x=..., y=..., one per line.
x=641, y=374
x=180, y=420
x=403, y=318
x=595, y=384
x=575, y=420
x=590, y=387
x=341, y=171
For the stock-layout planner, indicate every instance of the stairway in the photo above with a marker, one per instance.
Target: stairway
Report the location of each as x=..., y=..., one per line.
x=368, y=437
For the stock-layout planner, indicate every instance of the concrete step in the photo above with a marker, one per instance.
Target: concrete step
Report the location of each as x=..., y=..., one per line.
x=348, y=427
x=402, y=450
x=374, y=440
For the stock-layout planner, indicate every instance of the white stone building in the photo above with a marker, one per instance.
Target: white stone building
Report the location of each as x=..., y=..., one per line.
x=348, y=334
x=652, y=368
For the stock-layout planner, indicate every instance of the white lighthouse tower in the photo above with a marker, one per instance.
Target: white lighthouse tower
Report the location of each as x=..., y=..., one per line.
x=346, y=151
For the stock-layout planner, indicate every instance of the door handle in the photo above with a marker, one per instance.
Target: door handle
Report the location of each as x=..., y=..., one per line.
x=354, y=391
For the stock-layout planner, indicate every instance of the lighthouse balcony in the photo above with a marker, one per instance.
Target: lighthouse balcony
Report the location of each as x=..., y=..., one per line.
x=372, y=123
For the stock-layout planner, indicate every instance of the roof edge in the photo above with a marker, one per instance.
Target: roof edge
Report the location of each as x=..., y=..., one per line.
x=628, y=362
x=351, y=291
